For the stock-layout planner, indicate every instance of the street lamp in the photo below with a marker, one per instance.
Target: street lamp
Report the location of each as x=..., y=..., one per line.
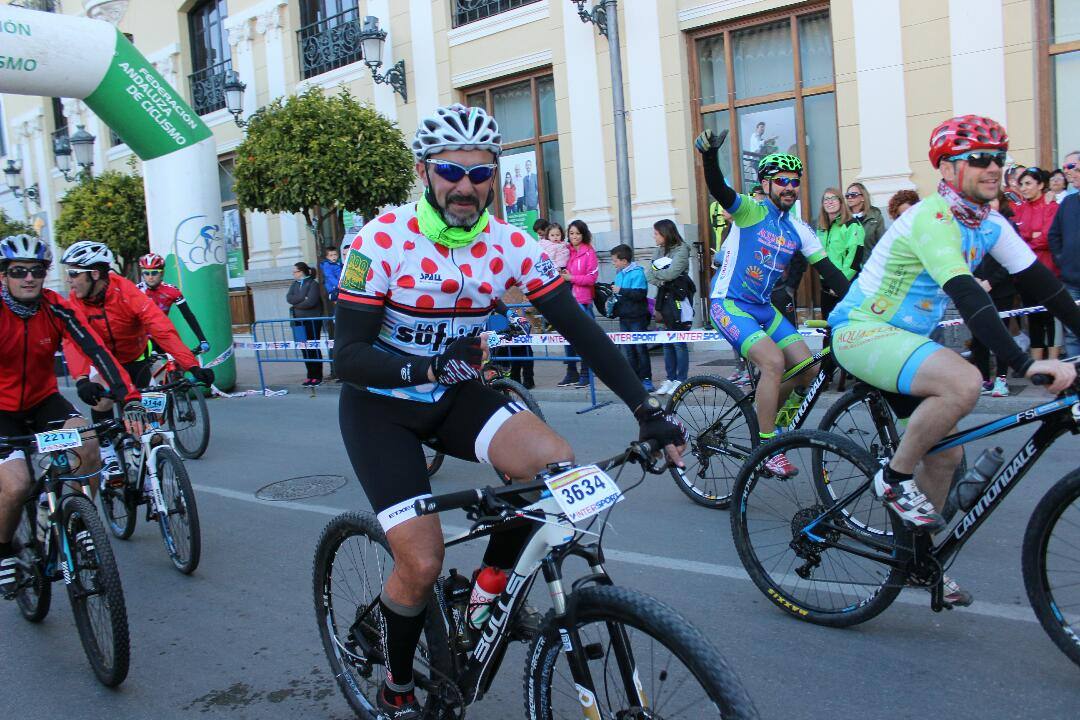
x=372, y=40
x=81, y=143
x=605, y=16
x=234, y=97
x=13, y=177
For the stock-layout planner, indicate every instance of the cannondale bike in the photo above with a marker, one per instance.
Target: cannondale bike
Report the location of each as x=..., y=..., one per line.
x=602, y=652
x=825, y=550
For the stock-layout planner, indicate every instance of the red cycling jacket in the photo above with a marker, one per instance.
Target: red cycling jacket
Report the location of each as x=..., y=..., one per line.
x=126, y=320
x=164, y=295
x=27, y=347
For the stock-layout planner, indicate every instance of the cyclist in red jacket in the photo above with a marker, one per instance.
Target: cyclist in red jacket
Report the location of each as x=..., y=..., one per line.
x=34, y=323
x=126, y=320
x=165, y=296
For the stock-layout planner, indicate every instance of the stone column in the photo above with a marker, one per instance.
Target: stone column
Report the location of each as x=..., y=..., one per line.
x=977, y=40
x=425, y=77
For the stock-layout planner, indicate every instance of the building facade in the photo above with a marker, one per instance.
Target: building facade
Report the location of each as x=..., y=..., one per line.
x=852, y=86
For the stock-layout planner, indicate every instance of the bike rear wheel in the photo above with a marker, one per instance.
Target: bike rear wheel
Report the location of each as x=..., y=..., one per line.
x=352, y=562
x=723, y=432
x=517, y=393
x=97, y=598
x=189, y=418
x=35, y=597
x=1051, y=565
x=797, y=548
x=180, y=530
x=675, y=671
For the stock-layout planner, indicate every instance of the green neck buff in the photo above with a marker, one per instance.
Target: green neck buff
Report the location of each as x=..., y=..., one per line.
x=436, y=230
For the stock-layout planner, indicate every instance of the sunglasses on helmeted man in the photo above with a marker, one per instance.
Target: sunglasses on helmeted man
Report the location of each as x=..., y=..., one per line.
x=787, y=182
x=981, y=158
x=18, y=272
x=453, y=172
x=151, y=273
x=1070, y=166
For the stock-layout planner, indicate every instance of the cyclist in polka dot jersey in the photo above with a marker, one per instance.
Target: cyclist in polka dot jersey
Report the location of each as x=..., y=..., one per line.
x=418, y=285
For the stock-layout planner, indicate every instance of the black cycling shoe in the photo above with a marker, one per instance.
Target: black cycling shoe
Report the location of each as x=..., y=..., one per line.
x=526, y=624
x=398, y=706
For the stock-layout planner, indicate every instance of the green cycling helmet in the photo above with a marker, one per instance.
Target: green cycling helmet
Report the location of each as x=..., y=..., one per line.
x=778, y=162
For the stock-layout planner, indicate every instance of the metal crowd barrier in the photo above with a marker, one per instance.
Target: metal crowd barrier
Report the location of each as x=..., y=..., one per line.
x=284, y=330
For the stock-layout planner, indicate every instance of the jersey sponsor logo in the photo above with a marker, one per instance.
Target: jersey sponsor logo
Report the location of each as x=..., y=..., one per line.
x=880, y=306
x=433, y=335
x=436, y=277
x=354, y=276
x=755, y=273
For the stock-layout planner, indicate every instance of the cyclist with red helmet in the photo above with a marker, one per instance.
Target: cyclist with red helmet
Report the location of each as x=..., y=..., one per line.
x=166, y=296
x=881, y=328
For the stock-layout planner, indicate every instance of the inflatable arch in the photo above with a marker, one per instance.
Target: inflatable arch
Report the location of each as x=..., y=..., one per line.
x=65, y=56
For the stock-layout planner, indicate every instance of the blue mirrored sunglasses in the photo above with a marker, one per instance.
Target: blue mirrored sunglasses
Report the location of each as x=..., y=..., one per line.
x=787, y=182
x=981, y=158
x=453, y=172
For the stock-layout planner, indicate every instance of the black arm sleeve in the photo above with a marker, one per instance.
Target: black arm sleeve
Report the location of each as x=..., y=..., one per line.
x=594, y=346
x=359, y=362
x=981, y=317
x=831, y=276
x=1038, y=283
x=100, y=358
x=714, y=180
x=192, y=322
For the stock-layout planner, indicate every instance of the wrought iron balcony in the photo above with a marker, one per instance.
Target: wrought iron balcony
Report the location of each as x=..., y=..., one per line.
x=330, y=43
x=52, y=6
x=467, y=11
x=208, y=87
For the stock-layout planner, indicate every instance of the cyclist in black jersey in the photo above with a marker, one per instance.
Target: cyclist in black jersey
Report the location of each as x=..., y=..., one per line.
x=417, y=286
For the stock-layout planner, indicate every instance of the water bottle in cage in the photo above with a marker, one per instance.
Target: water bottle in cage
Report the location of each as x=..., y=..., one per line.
x=490, y=582
x=968, y=489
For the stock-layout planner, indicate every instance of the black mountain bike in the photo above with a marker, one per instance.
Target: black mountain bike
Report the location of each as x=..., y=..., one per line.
x=821, y=547
x=724, y=428
x=186, y=414
x=69, y=543
x=626, y=654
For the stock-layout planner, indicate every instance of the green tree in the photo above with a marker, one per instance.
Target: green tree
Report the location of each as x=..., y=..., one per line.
x=10, y=226
x=109, y=208
x=318, y=155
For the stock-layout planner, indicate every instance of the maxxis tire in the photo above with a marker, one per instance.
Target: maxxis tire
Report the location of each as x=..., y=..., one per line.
x=333, y=535
x=868, y=609
x=34, y=609
x=166, y=456
x=195, y=397
x=650, y=616
x=78, y=512
x=517, y=392
x=742, y=404
x=1036, y=539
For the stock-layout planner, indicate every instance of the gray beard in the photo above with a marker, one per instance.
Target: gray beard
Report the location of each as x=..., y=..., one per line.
x=462, y=221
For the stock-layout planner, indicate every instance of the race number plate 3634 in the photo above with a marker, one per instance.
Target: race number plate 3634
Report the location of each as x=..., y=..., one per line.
x=583, y=492
x=63, y=439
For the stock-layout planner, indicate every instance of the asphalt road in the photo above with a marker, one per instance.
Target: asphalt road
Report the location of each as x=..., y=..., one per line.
x=238, y=638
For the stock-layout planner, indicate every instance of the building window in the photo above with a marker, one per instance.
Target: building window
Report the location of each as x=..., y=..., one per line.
x=467, y=11
x=210, y=57
x=329, y=37
x=60, y=132
x=769, y=82
x=530, y=171
x=1059, y=66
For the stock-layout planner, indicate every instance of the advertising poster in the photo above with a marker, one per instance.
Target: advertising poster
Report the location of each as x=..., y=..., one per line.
x=762, y=133
x=520, y=189
x=234, y=249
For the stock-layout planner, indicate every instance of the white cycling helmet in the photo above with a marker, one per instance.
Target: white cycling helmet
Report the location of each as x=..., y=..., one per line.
x=24, y=247
x=87, y=253
x=456, y=128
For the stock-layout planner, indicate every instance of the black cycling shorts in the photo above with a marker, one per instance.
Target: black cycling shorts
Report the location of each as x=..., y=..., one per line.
x=49, y=414
x=384, y=437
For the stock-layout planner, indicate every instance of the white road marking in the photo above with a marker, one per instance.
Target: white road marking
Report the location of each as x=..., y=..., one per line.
x=998, y=611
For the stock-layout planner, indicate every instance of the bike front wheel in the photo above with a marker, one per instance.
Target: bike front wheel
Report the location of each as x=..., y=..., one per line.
x=180, y=525
x=1051, y=565
x=189, y=418
x=644, y=660
x=35, y=596
x=97, y=598
x=516, y=392
x=352, y=562
x=723, y=432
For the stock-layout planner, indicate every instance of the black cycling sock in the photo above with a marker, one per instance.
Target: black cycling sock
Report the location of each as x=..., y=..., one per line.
x=6, y=549
x=401, y=633
x=895, y=477
x=504, y=546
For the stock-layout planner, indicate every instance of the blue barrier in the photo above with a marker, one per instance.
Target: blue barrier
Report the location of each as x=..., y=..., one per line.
x=281, y=330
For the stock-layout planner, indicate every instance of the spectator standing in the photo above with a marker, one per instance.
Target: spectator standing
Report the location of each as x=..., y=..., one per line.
x=1059, y=186
x=522, y=371
x=1064, y=240
x=858, y=202
x=997, y=281
x=581, y=271
x=899, y=204
x=843, y=238
x=509, y=193
x=631, y=307
x=304, y=297
x=531, y=188
x=540, y=228
x=555, y=247
x=330, y=270
x=1033, y=217
x=670, y=265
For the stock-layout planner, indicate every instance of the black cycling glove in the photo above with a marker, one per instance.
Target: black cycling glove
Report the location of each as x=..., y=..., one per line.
x=655, y=424
x=89, y=392
x=459, y=362
x=202, y=375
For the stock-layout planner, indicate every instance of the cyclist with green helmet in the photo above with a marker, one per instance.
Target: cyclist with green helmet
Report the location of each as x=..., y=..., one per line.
x=764, y=238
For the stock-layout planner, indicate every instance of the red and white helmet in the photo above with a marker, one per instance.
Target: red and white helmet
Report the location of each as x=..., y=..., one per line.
x=152, y=261
x=966, y=133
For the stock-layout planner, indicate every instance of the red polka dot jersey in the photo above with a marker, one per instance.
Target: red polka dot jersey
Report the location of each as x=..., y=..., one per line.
x=432, y=294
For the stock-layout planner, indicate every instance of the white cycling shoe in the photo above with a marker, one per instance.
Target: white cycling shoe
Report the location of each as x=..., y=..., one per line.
x=908, y=502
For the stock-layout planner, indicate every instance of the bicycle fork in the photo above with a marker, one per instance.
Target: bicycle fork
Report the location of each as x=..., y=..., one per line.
x=157, y=504
x=578, y=654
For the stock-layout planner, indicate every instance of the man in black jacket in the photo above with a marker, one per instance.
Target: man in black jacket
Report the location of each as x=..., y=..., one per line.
x=1064, y=239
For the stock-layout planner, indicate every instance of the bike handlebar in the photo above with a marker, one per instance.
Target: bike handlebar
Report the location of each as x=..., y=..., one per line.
x=22, y=441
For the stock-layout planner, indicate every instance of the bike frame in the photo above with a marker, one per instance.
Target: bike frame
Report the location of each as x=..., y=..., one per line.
x=147, y=470
x=813, y=391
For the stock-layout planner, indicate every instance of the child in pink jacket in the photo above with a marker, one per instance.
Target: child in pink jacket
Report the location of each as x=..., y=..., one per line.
x=554, y=246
